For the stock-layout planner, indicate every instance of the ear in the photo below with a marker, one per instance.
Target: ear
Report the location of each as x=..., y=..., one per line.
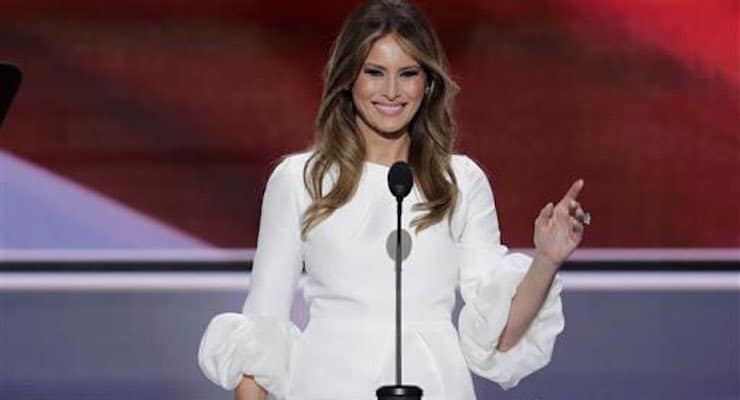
x=429, y=88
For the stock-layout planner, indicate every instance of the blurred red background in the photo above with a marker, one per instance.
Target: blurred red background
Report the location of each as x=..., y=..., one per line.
x=178, y=108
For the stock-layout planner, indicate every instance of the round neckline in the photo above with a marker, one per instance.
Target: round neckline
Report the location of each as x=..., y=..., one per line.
x=374, y=170
x=377, y=165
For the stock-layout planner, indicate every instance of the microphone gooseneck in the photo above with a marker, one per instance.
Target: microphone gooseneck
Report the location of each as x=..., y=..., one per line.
x=400, y=181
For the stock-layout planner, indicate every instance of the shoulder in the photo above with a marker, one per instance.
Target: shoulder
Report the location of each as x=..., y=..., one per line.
x=290, y=166
x=287, y=173
x=467, y=171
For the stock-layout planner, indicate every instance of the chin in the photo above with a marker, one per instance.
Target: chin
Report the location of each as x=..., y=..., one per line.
x=390, y=128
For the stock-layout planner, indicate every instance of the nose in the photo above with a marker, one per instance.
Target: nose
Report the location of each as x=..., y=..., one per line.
x=391, y=88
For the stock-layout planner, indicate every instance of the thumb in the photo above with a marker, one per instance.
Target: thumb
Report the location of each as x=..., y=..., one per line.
x=546, y=212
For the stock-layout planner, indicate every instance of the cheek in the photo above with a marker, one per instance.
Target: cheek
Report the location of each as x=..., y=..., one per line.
x=414, y=89
x=362, y=89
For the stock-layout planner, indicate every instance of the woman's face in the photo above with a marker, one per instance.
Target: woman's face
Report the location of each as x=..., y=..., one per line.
x=389, y=89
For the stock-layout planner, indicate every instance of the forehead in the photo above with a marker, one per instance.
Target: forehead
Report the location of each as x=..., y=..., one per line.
x=387, y=52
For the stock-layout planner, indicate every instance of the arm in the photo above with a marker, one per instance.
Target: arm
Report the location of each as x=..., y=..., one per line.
x=558, y=231
x=490, y=278
x=527, y=301
x=258, y=341
x=248, y=389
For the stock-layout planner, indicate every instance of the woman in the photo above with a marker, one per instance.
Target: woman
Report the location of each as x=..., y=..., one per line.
x=387, y=97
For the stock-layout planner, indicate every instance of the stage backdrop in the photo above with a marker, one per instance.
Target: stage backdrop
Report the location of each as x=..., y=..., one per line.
x=155, y=123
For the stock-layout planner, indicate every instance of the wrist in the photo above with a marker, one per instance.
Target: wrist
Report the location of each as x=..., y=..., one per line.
x=545, y=262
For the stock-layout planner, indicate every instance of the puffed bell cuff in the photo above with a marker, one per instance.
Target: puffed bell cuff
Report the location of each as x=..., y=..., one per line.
x=483, y=319
x=236, y=344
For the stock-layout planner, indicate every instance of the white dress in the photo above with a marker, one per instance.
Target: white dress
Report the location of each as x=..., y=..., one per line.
x=347, y=349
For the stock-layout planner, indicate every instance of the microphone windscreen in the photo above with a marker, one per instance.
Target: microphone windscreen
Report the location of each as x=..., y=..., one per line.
x=400, y=179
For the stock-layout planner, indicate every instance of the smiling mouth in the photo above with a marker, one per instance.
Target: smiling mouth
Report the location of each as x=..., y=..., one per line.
x=389, y=109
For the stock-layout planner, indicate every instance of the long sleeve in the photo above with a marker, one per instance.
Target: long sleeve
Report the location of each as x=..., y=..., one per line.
x=259, y=341
x=489, y=277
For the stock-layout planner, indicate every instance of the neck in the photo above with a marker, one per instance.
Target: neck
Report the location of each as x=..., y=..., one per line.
x=383, y=148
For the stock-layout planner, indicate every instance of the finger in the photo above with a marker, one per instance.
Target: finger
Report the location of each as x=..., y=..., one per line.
x=582, y=216
x=578, y=212
x=576, y=225
x=545, y=213
x=573, y=192
x=573, y=205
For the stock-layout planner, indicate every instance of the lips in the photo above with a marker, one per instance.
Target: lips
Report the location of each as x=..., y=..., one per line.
x=389, y=109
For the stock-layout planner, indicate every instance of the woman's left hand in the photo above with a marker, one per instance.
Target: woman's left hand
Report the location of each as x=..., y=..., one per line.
x=558, y=230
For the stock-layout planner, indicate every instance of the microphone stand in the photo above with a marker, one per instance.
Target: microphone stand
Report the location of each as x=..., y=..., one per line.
x=400, y=180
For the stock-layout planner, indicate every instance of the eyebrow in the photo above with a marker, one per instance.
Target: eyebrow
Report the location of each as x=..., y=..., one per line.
x=415, y=66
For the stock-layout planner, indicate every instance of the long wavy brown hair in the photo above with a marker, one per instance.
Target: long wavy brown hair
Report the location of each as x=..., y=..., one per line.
x=338, y=141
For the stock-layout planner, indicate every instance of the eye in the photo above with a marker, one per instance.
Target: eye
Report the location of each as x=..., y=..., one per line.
x=373, y=72
x=409, y=73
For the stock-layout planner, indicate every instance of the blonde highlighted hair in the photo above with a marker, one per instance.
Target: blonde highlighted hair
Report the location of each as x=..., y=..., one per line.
x=338, y=141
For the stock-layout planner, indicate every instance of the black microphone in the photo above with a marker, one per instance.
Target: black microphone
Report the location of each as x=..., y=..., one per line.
x=400, y=181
